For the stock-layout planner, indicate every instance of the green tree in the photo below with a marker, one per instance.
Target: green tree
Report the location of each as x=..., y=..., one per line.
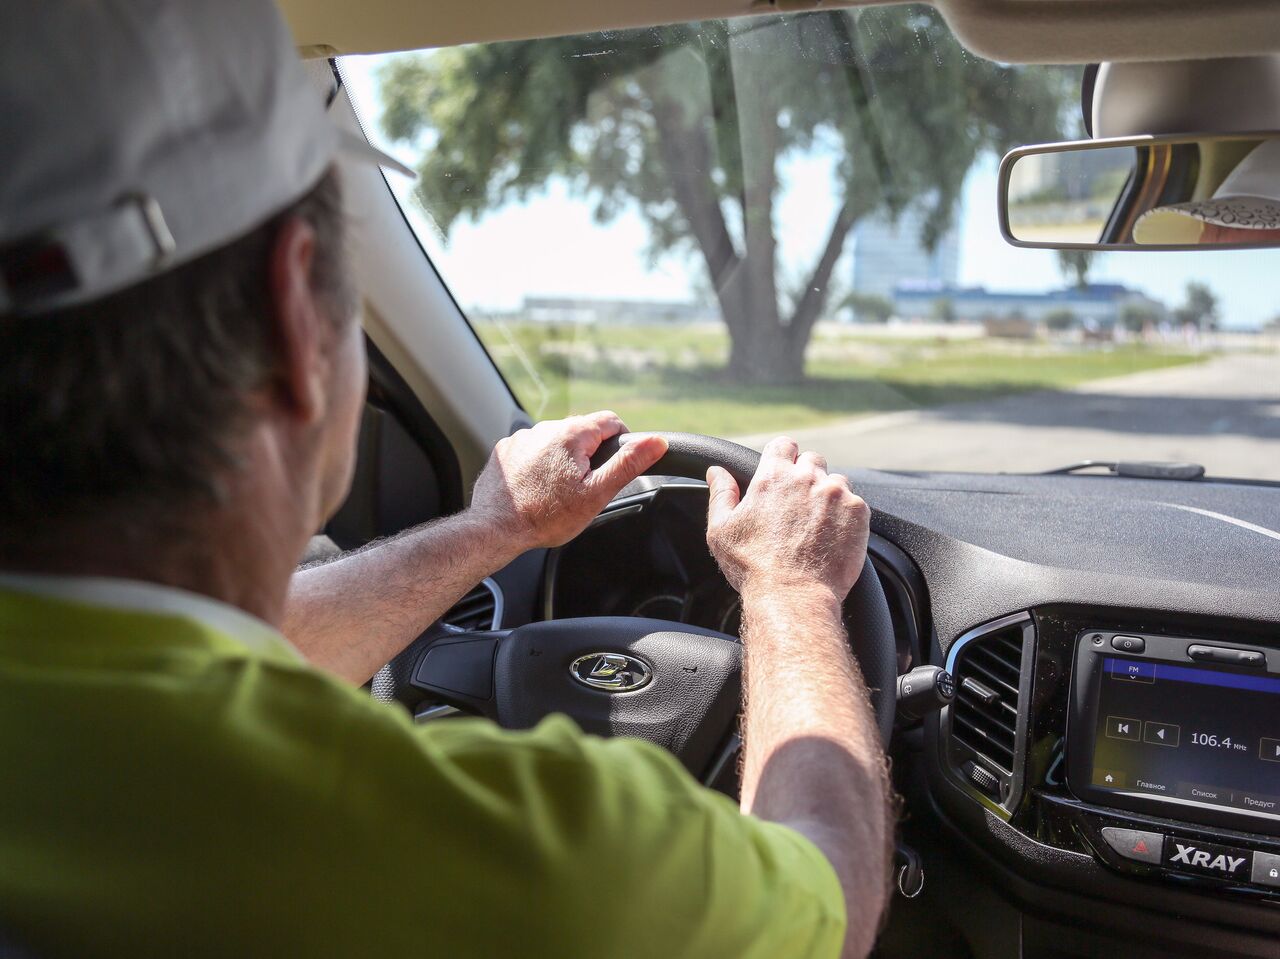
x=1200, y=308
x=688, y=123
x=944, y=310
x=869, y=308
x=1060, y=320
x=1136, y=317
x=1075, y=265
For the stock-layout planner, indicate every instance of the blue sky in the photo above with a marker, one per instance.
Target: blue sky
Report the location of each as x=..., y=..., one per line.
x=549, y=244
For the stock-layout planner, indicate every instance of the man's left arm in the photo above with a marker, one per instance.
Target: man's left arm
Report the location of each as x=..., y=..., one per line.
x=353, y=615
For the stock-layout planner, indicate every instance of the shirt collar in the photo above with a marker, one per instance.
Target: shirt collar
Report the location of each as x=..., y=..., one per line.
x=137, y=596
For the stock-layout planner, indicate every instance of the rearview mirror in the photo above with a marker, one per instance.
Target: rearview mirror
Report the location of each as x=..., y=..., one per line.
x=1144, y=193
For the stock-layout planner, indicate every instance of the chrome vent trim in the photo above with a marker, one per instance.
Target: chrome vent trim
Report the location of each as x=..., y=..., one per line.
x=480, y=609
x=986, y=725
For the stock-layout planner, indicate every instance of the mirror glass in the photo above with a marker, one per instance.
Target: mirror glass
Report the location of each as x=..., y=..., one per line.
x=1144, y=193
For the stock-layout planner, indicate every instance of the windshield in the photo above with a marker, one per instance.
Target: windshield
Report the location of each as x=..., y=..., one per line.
x=788, y=223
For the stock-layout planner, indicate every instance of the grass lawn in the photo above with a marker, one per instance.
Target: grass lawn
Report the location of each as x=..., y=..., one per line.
x=671, y=377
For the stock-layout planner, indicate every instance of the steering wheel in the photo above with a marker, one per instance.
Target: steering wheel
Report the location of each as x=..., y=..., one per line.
x=676, y=685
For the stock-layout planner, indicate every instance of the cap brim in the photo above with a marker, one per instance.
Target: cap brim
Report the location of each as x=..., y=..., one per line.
x=357, y=147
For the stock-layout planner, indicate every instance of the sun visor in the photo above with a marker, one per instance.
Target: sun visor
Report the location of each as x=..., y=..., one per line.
x=1233, y=95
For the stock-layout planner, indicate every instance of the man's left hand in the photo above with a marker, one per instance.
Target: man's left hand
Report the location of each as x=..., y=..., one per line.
x=539, y=488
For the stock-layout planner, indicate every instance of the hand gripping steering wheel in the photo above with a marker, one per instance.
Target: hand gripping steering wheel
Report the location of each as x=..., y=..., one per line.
x=676, y=685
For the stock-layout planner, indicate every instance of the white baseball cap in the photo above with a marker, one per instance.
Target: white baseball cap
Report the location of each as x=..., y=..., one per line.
x=136, y=135
x=1248, y=199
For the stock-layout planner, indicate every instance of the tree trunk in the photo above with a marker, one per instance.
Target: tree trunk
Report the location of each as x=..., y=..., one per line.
x=761, y=353
x=766, y=348
x=760, y=350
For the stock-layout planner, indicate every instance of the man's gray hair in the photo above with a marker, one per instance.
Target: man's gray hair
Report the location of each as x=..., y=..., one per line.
x=131, y=404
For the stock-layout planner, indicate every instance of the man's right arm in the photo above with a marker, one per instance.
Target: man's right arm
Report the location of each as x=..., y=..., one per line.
x=793, y=546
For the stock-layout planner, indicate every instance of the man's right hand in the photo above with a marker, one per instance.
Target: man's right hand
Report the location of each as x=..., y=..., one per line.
x=793, y=546
x=797, y=525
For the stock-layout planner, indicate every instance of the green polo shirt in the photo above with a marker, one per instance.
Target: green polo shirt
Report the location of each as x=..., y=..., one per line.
x=177, y=781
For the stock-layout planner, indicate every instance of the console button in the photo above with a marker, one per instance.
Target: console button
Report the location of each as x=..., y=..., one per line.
x=1132, y=671
x=1266, y=869
x=1134, y=843
x=1118, y=727
x=1207, y=859
x=1227, y=656
x=1162, y=734
x=1256, y=801
x=1128, y=644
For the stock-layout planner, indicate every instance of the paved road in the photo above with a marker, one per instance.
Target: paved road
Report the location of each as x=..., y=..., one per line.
x=1224, y=414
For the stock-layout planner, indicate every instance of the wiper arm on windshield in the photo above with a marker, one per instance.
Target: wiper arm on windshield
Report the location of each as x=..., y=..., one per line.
x=1138, y=470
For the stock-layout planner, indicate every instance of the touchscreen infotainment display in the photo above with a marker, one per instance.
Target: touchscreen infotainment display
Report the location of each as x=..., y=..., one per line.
x=1189, y=735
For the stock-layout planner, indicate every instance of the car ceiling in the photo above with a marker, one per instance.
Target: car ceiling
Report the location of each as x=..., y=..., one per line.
x=1012, y=31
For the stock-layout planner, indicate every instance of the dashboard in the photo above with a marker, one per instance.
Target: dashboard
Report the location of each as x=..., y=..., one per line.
x=1107, y=780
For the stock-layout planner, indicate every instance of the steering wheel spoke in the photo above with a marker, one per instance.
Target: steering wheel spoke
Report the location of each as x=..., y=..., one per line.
x=675, y=685
x=460, y=671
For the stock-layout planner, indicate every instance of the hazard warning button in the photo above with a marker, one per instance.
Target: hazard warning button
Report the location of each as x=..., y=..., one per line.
x=1135, y=843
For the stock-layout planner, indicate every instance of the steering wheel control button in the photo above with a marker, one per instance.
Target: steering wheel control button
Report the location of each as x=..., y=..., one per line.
x=1161, y=734
x=464, y=667
x=1135, y=844
x=1128, y=644
x=1227, y=656
x=1266, y=869
x=611, y=672
x=1119, y=727
x=1208, y=859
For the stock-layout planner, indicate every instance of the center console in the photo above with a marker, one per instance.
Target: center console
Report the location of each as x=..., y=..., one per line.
x=1128, y=757
x=1186, y=730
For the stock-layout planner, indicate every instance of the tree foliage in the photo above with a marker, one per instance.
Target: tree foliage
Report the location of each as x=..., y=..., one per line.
x=1075, y=266
x=690, y=124
x=1200, y=309
x=1061, y=320
x=869, y=308
x=1137, y=317
x=944, y=310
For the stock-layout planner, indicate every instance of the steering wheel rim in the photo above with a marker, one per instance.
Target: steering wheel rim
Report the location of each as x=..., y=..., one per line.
x=867, y=618
x=682, y=687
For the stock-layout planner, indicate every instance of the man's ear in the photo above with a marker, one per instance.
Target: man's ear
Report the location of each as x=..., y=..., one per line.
x=299, y=322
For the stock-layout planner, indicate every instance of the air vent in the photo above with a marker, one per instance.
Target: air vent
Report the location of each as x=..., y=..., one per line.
x=985, y=732
x=480, y=609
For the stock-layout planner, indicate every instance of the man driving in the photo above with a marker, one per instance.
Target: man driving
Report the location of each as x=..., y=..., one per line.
x=191, y=766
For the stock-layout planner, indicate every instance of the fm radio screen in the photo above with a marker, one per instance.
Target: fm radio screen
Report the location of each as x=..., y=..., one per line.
x=1192, y=735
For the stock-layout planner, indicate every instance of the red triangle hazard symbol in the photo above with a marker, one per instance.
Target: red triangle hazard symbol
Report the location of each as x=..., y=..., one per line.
x=1140, y=846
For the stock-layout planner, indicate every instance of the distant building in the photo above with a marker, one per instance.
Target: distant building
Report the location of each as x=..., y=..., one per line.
x=1095, y=305
x=888, y=253
x=579, y=310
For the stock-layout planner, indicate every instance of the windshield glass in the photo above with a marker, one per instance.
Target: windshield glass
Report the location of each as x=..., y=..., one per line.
x=788, y=223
